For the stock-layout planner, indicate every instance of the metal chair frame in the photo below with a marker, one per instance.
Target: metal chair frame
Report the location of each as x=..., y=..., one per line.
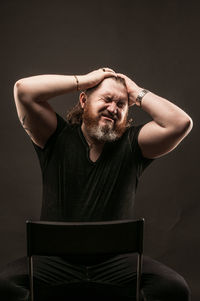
x=46, y=239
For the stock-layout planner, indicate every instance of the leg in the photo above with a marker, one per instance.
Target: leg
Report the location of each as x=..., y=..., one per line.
x=14, y=281
x=163, y=283
x=54, y=279
x=159, y=282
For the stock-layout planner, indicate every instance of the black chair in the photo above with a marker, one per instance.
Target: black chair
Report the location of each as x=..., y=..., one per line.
x=93, y=238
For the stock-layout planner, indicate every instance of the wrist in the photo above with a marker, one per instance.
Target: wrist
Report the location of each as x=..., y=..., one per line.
x=77, y=83
x=140, y=95
x=134, y=94
x=81, y=82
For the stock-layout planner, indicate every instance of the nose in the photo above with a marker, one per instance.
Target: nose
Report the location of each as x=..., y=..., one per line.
x=112, y=108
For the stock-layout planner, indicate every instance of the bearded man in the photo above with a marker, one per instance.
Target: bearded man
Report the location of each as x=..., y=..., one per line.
x=91, y=165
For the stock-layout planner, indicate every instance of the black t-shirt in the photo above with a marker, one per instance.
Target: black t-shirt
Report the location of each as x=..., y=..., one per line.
x=77, y=189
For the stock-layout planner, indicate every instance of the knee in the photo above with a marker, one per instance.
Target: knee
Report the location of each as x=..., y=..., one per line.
x=170, y=288
x=179, y=289
x=9, y=291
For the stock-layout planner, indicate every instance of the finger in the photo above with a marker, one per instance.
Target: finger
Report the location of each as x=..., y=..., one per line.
x=121, y=75
x=109, y=72
x=106, y=69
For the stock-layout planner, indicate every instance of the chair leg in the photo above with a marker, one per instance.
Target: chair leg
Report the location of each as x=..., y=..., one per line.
x=139, y=272
x=30, y=268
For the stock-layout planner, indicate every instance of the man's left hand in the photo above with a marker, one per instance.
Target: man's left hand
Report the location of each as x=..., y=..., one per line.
x=132, y=88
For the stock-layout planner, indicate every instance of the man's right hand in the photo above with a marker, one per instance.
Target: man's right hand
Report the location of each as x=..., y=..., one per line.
x=93, y=78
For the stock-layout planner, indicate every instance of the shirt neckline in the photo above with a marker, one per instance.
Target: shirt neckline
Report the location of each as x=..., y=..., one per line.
x=88, y=149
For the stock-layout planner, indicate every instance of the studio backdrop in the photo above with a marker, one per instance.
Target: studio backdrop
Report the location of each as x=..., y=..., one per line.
x=156, y=44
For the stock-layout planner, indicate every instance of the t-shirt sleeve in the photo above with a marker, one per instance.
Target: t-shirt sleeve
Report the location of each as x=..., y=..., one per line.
x=45, y=153
x=133, y=138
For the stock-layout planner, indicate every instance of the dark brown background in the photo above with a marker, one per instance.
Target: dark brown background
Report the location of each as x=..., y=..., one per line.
x=156, y=43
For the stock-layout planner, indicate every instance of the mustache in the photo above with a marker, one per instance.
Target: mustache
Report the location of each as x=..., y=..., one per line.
x=109, y=115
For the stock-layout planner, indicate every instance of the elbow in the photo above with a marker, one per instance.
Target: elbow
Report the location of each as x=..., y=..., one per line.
x=21, y=91
x=184, y=126
x=17, y=87
x=187, y=125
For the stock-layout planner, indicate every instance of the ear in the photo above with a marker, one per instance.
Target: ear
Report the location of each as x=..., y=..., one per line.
x=82, y=99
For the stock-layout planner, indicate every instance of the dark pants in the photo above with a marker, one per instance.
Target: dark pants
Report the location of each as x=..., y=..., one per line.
x=60, y=279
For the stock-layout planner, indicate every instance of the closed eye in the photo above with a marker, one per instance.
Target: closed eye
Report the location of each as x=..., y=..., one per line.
x=121, y=104
x=108, y=99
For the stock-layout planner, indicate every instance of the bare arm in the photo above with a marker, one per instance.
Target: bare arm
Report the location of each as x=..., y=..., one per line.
x=169, y=126
x=31, y=96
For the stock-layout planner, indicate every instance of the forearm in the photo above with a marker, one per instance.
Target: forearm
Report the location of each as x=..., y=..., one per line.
x=163, y=112
x=40, y=88
x=43, y=87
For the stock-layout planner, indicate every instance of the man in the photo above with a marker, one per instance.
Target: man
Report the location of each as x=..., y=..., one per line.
x=91, y=165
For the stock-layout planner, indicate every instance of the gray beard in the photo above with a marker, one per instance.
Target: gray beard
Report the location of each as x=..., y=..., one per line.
x=103, y=133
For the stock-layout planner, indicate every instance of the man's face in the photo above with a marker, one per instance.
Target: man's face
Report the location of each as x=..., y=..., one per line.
x=105, y=111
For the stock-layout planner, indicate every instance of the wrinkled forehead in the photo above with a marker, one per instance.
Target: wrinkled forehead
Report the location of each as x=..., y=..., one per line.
x=112, y=88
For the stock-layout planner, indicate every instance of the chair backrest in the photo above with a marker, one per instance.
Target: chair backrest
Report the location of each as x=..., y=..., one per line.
x=75, y=238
